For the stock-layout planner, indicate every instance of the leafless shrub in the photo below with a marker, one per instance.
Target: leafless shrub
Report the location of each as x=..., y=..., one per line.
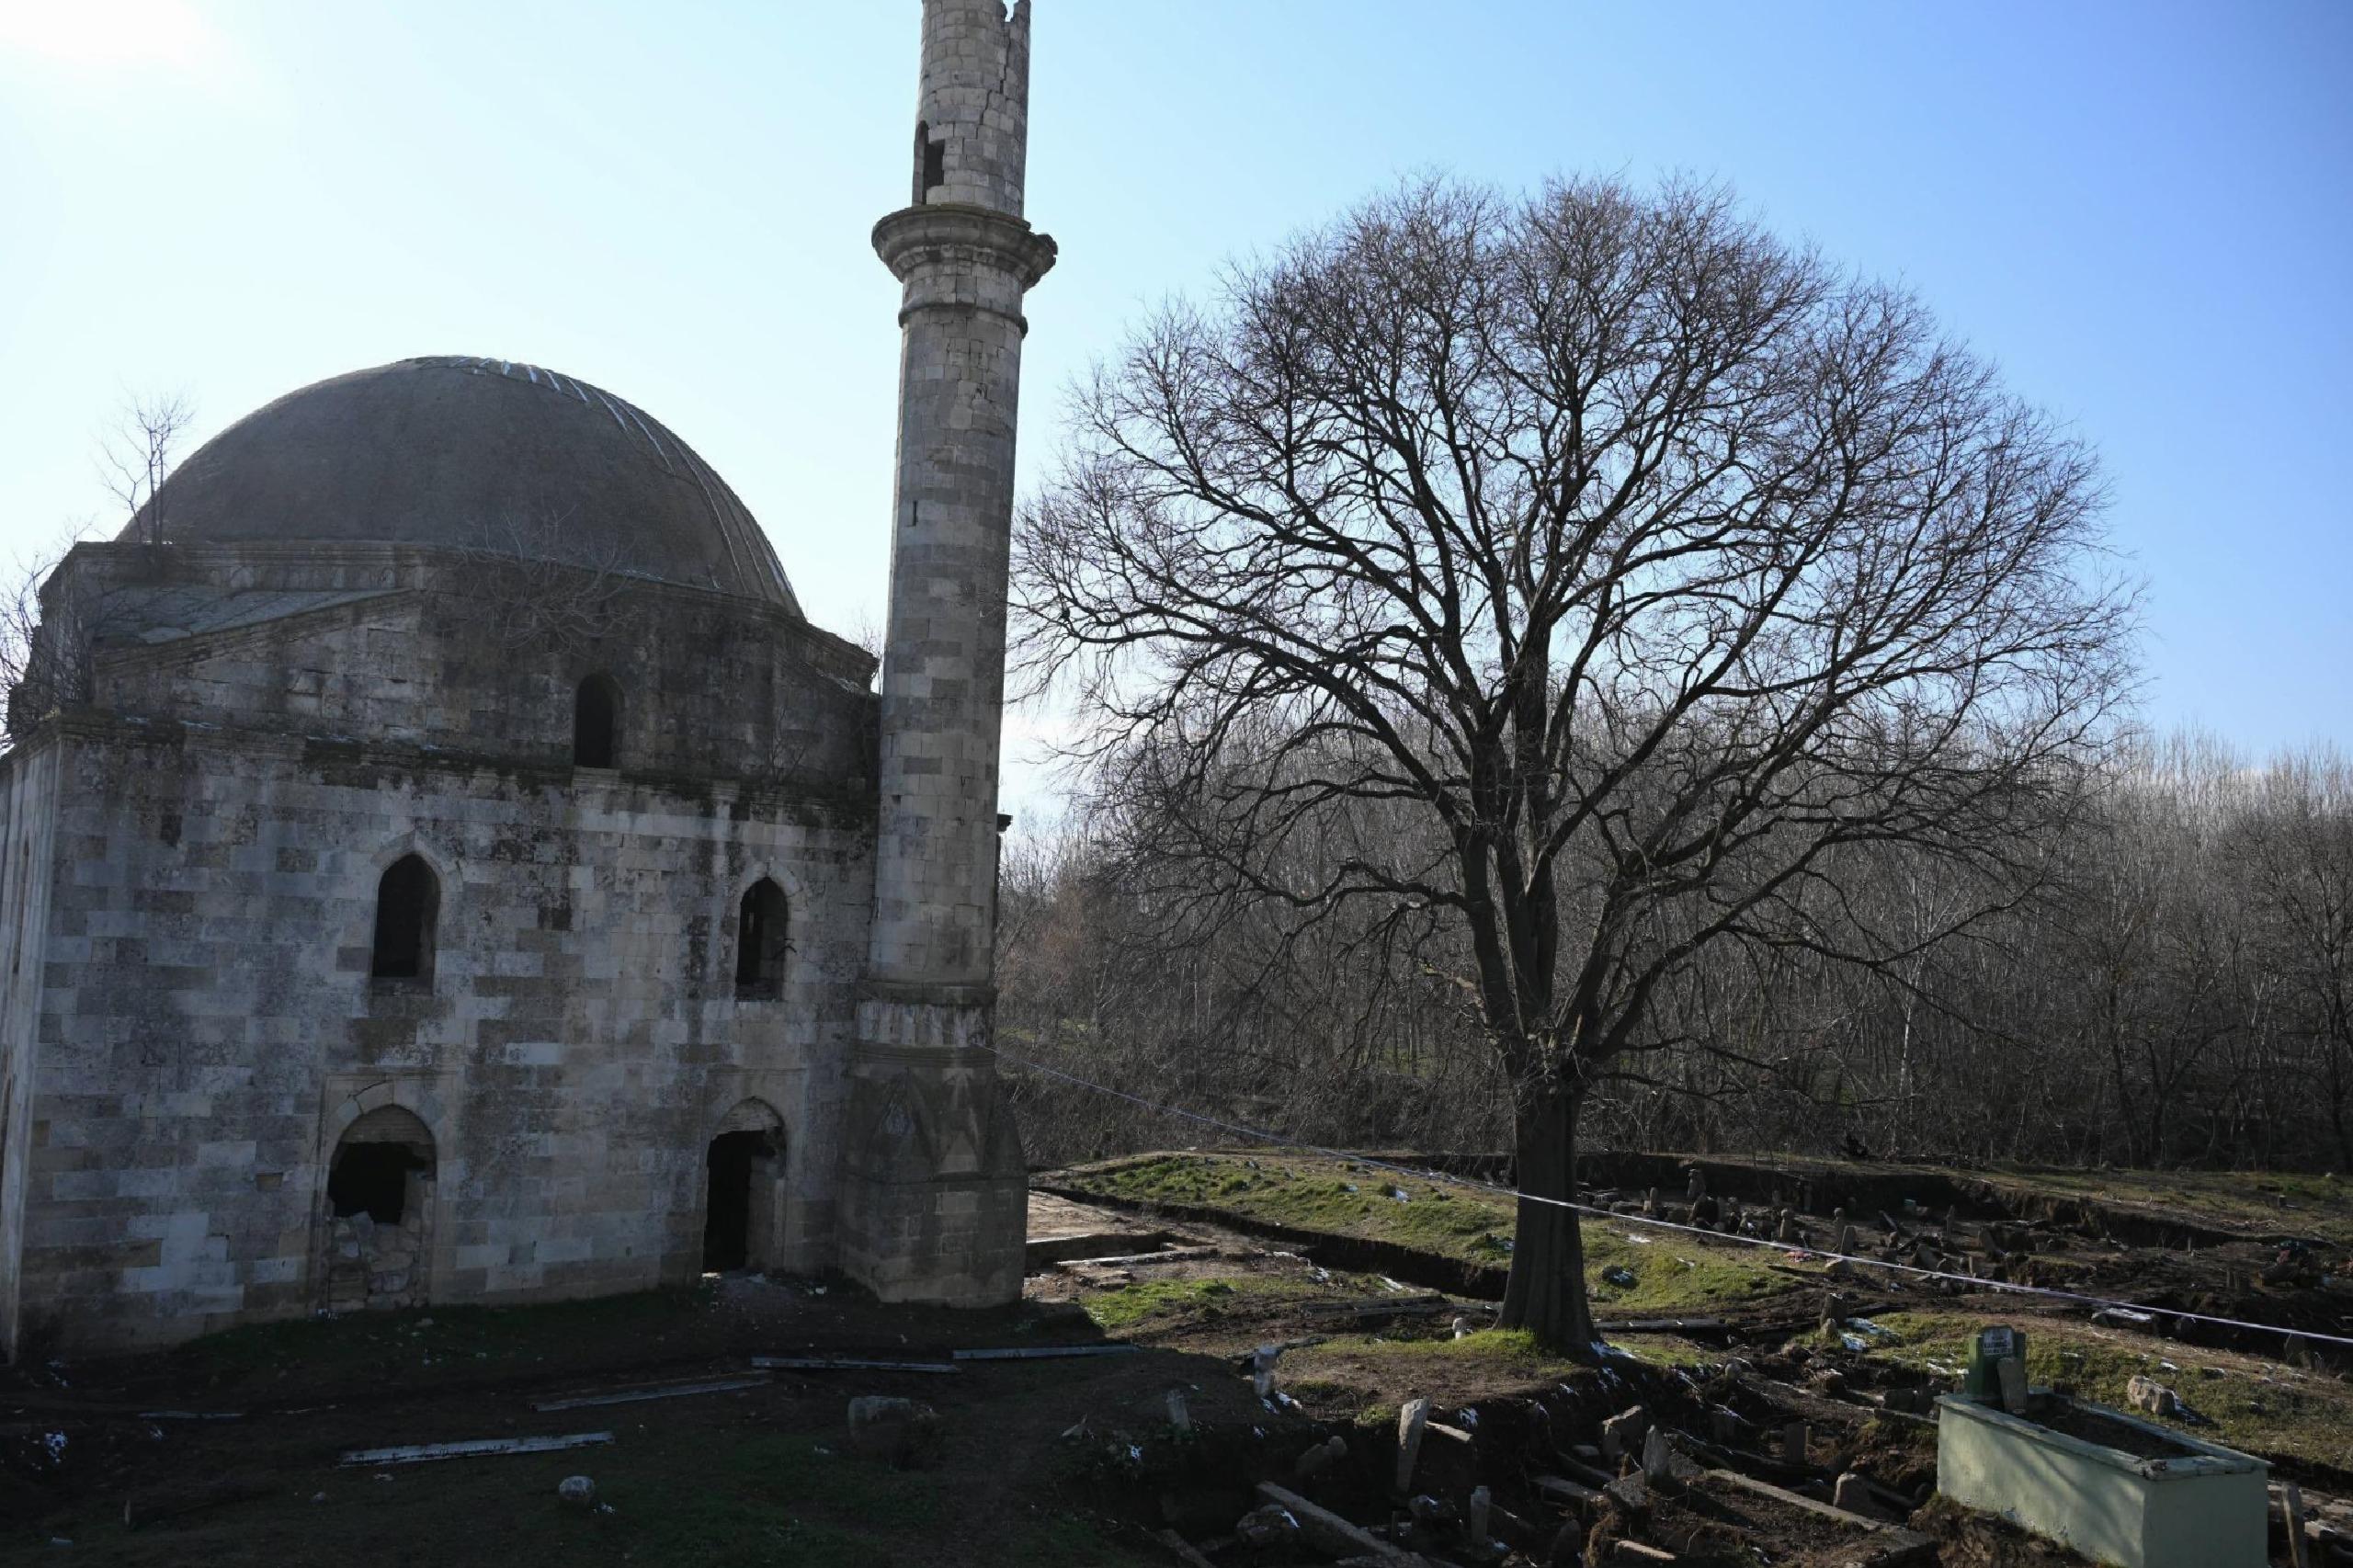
x=137, y=455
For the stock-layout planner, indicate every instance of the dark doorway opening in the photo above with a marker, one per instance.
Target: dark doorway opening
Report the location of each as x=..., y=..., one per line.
x=371, y=1179
x=727, y=1210
x=595, y=723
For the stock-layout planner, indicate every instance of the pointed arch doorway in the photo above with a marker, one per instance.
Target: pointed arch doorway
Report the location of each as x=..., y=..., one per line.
x=378, y=1213
x=743, y=1171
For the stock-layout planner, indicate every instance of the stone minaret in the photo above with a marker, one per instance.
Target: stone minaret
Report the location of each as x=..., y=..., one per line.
x=933, y=1196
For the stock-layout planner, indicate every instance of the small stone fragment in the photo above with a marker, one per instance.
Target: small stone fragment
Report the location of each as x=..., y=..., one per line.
x=1854, y=1493
x=898, y=1431
x=1320, y=1458
x=2151, y=1397
x=576, y=1491
x=1270, y=1525
x=1622, y=1433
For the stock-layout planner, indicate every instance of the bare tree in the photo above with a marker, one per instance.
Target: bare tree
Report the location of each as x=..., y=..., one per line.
x=547, y=588
x=2297, y=855
x=1639, y=568
x=45, y=636
x=47, y=624
x=136, y=457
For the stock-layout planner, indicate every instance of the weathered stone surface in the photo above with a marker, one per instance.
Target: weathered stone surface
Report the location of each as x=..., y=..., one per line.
x=364, y=651
x=192, y=869
x=933, y=1187
x=896, y=1431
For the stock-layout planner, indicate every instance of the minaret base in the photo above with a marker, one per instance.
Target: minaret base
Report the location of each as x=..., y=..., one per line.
x=935, y=1200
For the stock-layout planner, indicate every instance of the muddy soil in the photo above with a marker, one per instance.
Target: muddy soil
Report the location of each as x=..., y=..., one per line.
x=230, y=1451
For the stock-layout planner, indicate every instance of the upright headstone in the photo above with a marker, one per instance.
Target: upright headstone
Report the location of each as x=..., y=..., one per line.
x=1412, y=1421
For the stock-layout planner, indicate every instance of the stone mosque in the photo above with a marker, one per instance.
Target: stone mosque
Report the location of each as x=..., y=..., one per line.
x=440, y=862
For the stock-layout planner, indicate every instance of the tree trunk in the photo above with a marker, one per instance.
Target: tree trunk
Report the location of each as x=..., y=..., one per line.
x=1546, y=1292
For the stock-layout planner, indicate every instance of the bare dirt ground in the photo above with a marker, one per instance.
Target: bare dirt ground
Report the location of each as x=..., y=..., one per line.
x=229, y=1451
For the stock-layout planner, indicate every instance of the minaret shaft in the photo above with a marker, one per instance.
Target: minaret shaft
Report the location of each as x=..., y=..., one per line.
x=934, y=1203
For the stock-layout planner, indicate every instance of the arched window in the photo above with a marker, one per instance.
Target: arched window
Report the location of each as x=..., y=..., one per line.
x=597, y=722
x=931, y=161
x=408, y=901
x=760, y=941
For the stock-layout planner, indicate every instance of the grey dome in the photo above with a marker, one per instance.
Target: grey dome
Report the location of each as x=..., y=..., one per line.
x=474, y=453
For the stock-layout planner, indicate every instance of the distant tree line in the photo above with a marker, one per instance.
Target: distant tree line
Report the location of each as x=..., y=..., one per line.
x=2174, y=986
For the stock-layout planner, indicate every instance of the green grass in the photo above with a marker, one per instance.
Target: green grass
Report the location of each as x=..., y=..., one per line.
x=1513, y=1352
x=1331, y=1196
x=1674, y=1274
x=2265, y=1408
x=2318, y=1205
x=1664, y=1350
x=1130, y=1306
x=1492, y=1355
x=1514, y=1347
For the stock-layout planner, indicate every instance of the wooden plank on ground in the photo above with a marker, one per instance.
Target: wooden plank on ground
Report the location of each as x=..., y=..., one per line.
x=1129, y=1259
x=1327, y=1532
x=1814, y=1407
x=650, y=1391
x=1592, y=1475
x=847, y=1364
x=1043, y=1352
x=1893, y=1544
x=1560, y=1489
x=479, y=1448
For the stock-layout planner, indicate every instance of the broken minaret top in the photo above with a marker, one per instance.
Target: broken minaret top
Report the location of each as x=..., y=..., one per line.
x=972, y=117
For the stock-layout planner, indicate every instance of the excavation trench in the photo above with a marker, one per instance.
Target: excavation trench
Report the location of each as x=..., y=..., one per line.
x=1407, y=1266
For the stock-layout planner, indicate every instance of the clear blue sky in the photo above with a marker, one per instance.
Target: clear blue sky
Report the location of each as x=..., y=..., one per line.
x=2144, y=212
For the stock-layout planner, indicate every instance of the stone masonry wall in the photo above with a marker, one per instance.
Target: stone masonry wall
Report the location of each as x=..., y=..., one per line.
x=973, y=103
x=209, y=1026
x=430, y=649
x=28, y=822
x=205, y=849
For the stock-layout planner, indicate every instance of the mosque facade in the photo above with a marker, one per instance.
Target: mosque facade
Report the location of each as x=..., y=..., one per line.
x=440, y=862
